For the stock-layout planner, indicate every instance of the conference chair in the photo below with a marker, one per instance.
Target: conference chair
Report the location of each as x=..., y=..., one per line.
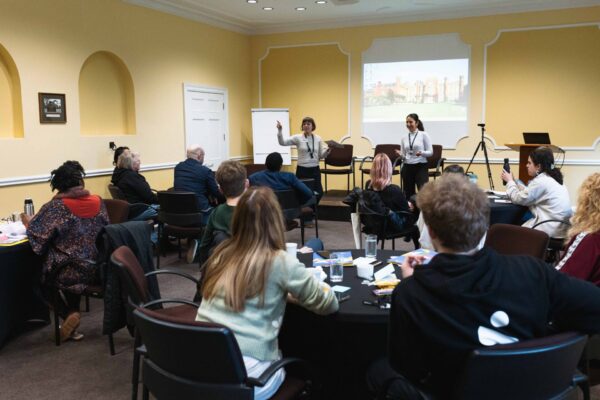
x=556, y=245
x=95, y=291
x=292, y=210
x=200, y=360
x=252, y=168
x=179, y=216
x=340, y=157
x=116, y=192
x=517, y=240
x=118, y=210
x=390, y=151
x=435, y=163
x=543, y=368
x=135, y=286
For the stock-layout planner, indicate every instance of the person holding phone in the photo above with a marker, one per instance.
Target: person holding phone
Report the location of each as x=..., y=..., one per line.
x=546, y=196
x=310, y=150
x=416, y=147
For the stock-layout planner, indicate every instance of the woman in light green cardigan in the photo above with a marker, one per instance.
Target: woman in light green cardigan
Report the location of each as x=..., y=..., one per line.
x=248, y=280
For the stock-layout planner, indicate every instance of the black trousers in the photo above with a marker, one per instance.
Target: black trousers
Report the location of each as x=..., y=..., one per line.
x=381, y=374
x=311, y=173
x=413, y=174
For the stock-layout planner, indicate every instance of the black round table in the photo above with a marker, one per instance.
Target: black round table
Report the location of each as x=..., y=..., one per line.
x=340, y=346
x=506, y=213
x=21, y=300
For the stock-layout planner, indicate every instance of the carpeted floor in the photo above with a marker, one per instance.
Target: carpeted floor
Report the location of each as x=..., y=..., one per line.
x=32, y=367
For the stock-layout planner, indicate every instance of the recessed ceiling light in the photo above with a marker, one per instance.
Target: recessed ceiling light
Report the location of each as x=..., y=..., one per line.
x=321, y=2
x=252, y=1
x=268, y=8
x=300, y=8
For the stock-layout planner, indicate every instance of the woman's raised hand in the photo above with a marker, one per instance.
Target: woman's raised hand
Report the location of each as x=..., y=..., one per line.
x=506, y=176
x=278, y=125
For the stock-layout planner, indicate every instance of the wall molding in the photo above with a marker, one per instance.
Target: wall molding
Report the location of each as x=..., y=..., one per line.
x=344, y=52
x=485, y=57
x=26, y=180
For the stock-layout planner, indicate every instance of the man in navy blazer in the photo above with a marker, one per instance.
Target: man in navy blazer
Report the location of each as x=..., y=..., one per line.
x=192, y=176
x=277, y=180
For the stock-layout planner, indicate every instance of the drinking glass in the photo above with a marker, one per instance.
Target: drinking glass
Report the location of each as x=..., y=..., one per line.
x=371, y=246
x=336, y=270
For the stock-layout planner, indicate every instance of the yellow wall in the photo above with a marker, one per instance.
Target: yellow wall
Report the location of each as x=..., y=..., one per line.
x=476, y=32
x=49, y=41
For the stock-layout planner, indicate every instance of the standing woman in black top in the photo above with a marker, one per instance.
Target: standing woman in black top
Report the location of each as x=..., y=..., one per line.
x=416, y=147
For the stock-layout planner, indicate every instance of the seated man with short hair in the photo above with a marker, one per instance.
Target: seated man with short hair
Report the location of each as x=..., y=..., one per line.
x=277, y=180
x=231, y=178
x=192, y=176
x=465, y=299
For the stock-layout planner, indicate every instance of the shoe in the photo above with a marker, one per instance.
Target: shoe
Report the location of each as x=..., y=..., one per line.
x=76, y=336
x=191, y=253
x=70, y=324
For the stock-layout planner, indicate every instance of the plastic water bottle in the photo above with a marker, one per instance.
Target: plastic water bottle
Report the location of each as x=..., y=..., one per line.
x=28, y=207
x=506, y=168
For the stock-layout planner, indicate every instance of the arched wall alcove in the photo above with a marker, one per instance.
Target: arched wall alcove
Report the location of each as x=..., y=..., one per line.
x=106, y=96
x=11, y=112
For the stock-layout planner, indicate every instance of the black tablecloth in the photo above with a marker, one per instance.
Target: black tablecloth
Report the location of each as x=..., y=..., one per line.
x=506, y=213
x=340, y=346
x=20, y=297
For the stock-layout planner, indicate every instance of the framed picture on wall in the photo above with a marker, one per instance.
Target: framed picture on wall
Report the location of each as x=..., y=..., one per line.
x=53, y=108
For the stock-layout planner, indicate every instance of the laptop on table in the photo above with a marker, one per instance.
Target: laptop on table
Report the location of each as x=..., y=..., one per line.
x=536, y=137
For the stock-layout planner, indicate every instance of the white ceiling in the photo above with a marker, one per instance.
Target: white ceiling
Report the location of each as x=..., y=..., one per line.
x=239, y=16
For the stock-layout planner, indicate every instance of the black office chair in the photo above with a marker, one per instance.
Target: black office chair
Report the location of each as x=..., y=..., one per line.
x=179, y=216
x=517, y=240
x=340, y=157
x=292, y=209
x=435, y=163
x=544, y=368
x=199, y=360
x=135, y=286
x=556, y=245
x=390, y=151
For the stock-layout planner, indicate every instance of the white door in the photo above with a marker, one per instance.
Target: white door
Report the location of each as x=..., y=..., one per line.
x=206, y=122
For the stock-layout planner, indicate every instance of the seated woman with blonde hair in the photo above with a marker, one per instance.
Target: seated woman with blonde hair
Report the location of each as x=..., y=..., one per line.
x=249, y=277
x=582, y=259
x=65, y=230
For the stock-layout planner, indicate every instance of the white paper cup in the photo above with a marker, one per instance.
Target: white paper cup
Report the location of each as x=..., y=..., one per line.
x=291, y=249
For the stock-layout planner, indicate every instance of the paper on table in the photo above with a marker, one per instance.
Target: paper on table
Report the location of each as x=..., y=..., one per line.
x=506, y=201
x=387, y=271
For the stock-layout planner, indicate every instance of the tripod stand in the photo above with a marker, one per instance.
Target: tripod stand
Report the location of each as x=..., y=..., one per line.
x=485, y=155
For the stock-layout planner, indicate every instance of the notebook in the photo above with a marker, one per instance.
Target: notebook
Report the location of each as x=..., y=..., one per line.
x=536, y=137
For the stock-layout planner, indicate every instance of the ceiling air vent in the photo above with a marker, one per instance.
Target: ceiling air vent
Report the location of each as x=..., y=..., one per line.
x=344, y=2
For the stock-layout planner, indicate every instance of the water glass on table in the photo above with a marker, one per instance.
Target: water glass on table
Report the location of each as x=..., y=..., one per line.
x=371, y=246
x=336, y=267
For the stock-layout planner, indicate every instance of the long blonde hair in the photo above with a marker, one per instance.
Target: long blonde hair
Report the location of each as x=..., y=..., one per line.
x=381, y=172
x=240, y=265
x=587, y=215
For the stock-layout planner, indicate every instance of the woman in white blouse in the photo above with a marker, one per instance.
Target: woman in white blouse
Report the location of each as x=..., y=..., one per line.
x=310, y=150
x=416, y=147
x=546, y=196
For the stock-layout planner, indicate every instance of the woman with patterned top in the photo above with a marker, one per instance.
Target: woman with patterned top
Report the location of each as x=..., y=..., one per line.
x=65, y=230
x=582, y=259
x=310, y=150
x=248, y=279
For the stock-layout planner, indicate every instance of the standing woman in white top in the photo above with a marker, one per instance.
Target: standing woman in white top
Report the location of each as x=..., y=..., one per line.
x=310, y=151
x=546, y=196
x=416, y=147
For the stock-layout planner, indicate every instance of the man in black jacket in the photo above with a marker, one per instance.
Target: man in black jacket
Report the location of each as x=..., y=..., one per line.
x=465, y=299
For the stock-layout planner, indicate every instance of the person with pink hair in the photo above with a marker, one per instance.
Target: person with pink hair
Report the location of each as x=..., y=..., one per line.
x=391, y=195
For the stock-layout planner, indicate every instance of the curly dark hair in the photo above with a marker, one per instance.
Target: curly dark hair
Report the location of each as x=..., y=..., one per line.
x=68, y=175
